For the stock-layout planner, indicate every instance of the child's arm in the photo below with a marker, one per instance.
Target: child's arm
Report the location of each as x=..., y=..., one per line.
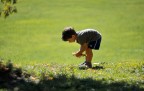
x=82, y=49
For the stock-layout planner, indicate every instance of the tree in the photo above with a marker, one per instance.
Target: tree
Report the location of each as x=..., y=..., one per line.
x=7, y=7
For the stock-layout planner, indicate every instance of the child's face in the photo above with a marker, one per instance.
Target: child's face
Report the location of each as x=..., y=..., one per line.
x=72, y=39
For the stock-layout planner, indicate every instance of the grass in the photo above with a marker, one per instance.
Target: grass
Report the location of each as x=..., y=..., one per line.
x=105, y=76
x=33, y=37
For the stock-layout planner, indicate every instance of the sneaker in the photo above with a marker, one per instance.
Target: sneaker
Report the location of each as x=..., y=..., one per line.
x=85, y=65
x=89, y=64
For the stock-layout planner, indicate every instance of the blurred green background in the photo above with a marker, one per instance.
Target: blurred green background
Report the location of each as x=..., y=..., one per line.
x=33, y=35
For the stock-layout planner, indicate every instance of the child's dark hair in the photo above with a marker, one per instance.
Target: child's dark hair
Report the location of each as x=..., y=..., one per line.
x=67, y=33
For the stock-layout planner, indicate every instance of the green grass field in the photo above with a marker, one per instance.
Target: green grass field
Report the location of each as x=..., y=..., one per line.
x=33, y=36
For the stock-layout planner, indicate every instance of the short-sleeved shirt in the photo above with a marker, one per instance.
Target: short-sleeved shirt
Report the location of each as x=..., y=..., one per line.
x=87, y=35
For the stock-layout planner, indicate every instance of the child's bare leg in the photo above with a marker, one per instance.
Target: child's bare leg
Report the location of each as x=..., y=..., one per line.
x=88, y=58
x=89, y=55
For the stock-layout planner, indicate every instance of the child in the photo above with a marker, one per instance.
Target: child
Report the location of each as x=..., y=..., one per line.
x=88, y=39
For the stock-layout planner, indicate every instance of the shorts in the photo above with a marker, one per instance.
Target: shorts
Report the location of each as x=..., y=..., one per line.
x=94, y=44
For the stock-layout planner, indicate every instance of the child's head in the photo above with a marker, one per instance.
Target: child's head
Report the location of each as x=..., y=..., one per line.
x=69, y=34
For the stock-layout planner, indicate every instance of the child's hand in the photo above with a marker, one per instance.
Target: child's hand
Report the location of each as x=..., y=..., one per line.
x=78, y=54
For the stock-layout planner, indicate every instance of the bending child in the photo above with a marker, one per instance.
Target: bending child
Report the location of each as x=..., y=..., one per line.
x=88, y=39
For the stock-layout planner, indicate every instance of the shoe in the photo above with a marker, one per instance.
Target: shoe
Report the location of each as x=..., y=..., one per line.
x=85, y=65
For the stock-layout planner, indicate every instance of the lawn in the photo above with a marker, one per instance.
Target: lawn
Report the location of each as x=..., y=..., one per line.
x=32, y=37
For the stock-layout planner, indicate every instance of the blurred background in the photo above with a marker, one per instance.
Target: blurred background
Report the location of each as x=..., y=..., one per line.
x=33, y=34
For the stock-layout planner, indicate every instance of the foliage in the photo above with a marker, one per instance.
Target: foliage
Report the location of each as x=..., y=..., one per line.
x=8, y=7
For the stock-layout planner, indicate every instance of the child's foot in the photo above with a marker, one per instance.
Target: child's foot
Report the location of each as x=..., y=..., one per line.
x=85, y=65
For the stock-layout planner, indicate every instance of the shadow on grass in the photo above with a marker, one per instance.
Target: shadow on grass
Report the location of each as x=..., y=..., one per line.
x=98, y=67
x=63, y=83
